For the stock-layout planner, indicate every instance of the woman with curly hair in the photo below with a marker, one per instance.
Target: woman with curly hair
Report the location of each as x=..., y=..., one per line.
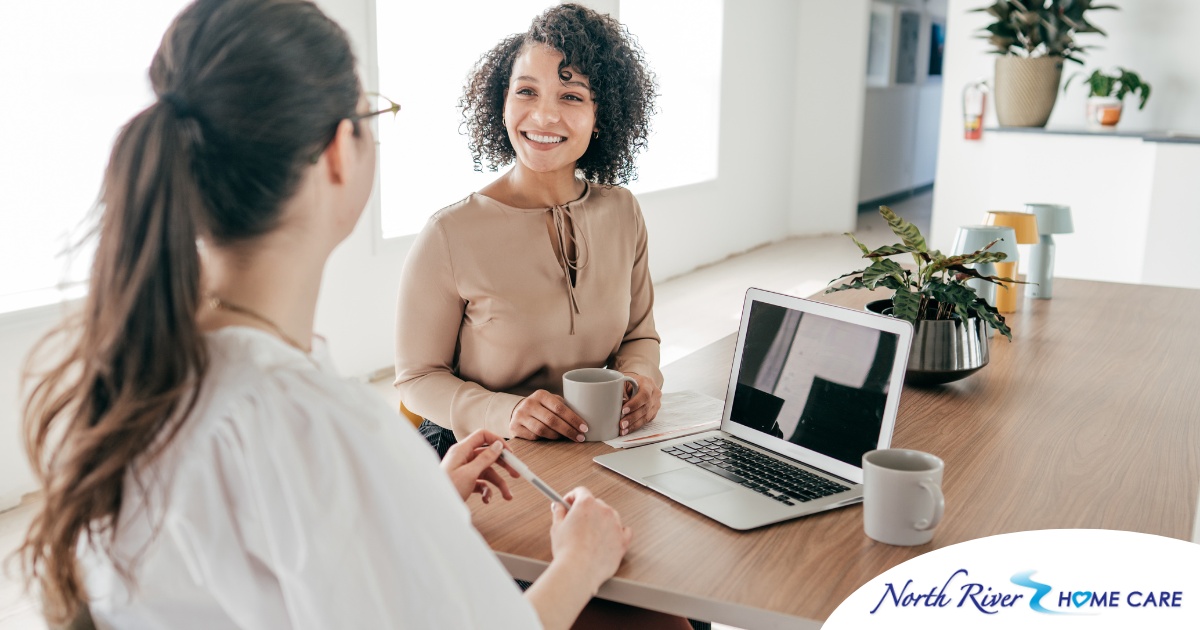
x=545, y=269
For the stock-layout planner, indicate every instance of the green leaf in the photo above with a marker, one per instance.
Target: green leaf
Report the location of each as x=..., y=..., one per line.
x=880, y=269
x=968, y=259
x=846, y=275
x=891, y=250
x=908, y=233
x=957, y=294
x=968, y=271
x=906, y=305
x=853, y=284
x=890, y=282
x=982, y=257
x=887, y=282
x=989, y=314
x=865, y=250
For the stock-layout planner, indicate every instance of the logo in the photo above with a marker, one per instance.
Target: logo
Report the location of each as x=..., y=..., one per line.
x=1088, y=602
x=959, y=590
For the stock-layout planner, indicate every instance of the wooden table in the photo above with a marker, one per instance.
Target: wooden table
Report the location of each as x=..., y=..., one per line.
x=1090, y=418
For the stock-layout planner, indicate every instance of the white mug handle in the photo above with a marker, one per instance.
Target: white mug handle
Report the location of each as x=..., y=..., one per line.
x=630, y=379
x=939, y=506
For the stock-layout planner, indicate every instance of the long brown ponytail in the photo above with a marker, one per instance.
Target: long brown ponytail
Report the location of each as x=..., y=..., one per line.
x=249, y=91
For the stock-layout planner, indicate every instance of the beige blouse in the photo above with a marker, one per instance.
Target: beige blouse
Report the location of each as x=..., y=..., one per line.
x=487, y=315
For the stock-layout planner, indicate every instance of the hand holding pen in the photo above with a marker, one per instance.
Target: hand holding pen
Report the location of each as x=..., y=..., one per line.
x=469, y=464
x=585, y=532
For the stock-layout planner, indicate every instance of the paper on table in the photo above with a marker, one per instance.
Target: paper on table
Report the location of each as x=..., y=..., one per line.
x=682, y=413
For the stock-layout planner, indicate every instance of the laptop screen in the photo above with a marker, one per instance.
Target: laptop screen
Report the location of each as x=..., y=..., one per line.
x=814, y=381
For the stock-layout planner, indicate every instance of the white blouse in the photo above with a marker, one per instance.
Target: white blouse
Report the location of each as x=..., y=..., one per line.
x=292, y=498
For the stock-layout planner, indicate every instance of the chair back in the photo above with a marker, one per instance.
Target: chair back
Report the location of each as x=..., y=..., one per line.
x=410, y=416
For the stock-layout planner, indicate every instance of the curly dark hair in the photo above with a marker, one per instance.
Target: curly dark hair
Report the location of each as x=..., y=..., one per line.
x=598, y=47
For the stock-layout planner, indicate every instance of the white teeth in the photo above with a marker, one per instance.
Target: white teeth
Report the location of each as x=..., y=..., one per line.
x=544, y=139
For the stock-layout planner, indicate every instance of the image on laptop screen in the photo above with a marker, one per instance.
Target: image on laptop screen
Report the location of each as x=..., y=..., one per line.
x=817, y=382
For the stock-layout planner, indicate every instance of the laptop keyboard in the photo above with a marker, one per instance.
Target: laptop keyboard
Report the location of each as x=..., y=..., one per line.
x=765, y=475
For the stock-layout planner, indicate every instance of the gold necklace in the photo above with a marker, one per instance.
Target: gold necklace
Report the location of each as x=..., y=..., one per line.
x=221, y=305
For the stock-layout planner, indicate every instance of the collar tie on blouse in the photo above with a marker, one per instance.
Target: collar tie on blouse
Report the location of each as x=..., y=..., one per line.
x=562, y=215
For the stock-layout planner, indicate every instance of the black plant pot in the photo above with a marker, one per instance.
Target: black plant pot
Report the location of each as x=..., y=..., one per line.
x=942, y=351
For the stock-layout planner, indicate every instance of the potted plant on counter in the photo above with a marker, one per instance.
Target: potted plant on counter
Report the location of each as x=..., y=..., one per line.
x=1107, y=92
x=950, y=337
x=1033, y=38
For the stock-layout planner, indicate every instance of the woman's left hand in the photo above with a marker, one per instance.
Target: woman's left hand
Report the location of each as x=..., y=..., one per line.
x=469, y=465
x=641, y=408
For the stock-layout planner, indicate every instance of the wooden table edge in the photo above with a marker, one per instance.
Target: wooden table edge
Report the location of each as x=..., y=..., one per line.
x=662, y=600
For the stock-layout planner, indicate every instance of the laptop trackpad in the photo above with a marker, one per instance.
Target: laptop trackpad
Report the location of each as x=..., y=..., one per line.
x=688, y=483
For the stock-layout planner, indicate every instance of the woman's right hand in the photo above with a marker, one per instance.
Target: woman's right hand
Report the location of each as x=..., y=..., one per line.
x=589, y=536
x=544, y=415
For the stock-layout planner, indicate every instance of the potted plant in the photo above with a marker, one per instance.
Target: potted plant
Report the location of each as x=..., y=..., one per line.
x=950, y=320
x=1032, y=39
x=1107, y=92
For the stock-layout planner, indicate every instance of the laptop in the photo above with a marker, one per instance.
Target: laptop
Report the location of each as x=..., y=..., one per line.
x=812, y=387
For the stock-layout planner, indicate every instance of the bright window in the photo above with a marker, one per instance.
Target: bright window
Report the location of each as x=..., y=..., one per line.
x=72, y=73
x=682, y=40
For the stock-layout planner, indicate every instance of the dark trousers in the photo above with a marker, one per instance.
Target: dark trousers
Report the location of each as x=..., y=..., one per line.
x=440, y=439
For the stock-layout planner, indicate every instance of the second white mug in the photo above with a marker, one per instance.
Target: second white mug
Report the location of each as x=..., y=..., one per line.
x=902, y=495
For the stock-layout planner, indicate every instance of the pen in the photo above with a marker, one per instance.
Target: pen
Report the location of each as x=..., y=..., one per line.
x=524, y=471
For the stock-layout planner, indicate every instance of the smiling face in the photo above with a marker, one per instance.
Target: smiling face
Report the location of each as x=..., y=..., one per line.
x=550, y=118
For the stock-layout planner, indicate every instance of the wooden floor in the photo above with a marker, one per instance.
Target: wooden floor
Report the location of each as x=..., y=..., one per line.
x=691, y=311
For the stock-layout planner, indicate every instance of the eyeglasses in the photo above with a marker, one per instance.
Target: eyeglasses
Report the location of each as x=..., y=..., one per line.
x=377, y=104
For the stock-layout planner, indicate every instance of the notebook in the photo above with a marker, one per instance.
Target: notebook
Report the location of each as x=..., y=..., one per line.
x=812, y=387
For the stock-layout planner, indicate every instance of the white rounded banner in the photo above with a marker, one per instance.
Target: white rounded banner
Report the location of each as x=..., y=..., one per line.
x=1056, y=578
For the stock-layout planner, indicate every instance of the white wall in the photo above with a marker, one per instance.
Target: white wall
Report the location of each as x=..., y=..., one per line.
x=1174, y=217
x=900, y=121
x=831, y=53
x=785, y=167
x=18, y=333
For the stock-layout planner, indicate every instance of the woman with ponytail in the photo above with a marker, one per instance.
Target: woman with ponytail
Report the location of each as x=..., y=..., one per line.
x=201, y=464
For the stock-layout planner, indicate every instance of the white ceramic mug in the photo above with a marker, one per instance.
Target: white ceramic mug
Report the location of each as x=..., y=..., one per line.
x=902, y=495
x=597, y=395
